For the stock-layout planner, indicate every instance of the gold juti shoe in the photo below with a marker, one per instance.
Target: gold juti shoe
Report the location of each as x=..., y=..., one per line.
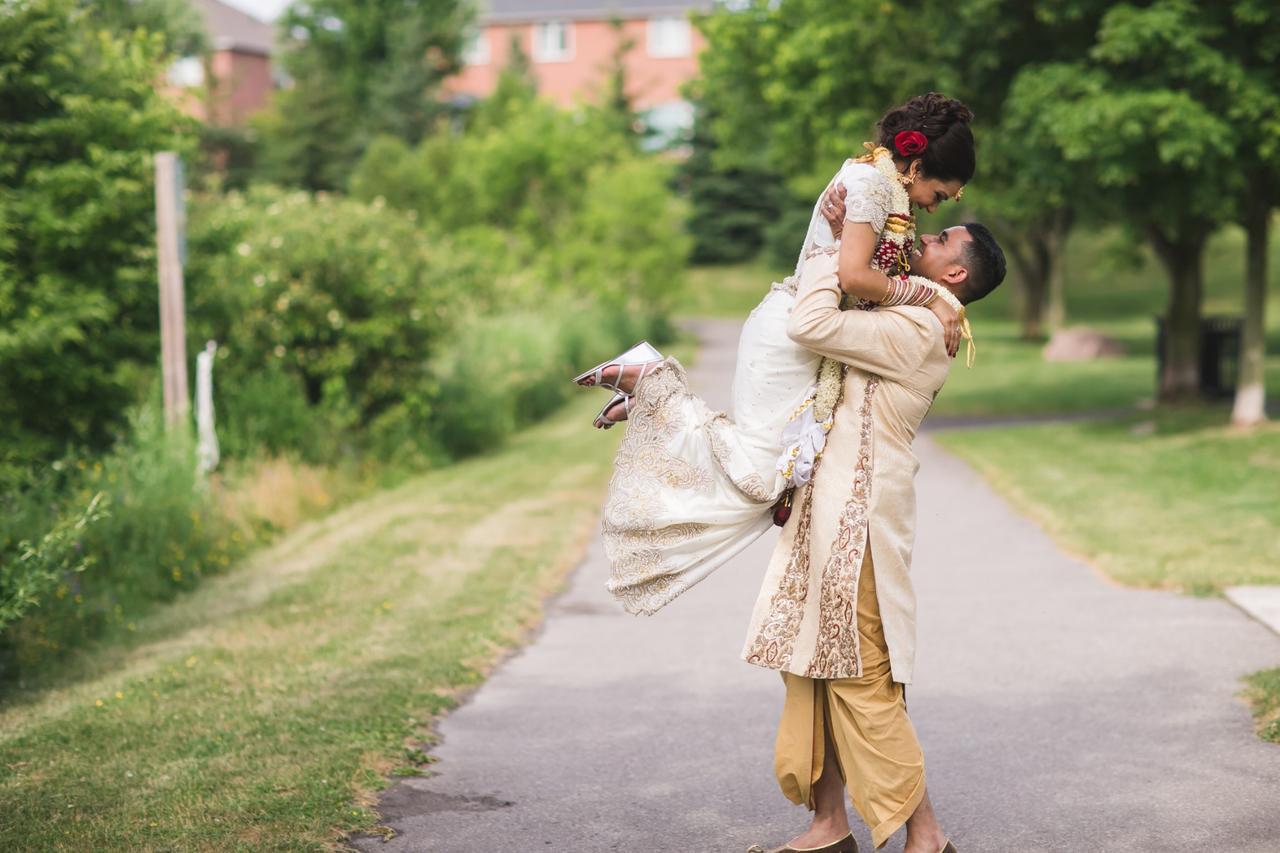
x=848, y=844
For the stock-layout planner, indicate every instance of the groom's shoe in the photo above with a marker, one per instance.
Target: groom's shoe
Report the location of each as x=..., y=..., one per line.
x=848, y=844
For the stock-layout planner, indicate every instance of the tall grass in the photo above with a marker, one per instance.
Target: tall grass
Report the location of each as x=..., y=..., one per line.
x=92, y=543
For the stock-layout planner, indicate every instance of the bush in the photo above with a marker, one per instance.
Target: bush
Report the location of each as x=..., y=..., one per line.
x=79, y=120
x=121, y=532
x=327, y=313
x=624, y=242
x=503, y=371
x=593, y=234
x=523, y=176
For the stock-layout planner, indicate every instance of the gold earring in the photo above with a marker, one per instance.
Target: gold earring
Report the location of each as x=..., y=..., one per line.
x=906, y=181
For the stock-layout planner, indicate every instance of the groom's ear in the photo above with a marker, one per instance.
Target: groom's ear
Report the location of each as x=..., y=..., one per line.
x=956, y=274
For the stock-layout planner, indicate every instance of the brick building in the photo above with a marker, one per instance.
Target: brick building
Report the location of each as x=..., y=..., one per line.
x=571, y=43
x=237, y=79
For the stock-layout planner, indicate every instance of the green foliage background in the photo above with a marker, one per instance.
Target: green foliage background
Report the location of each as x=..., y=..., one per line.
x=428, y=315
x=79, y=119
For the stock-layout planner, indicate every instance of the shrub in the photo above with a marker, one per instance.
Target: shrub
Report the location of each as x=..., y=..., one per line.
x=503, y=371
x=523, y=176
x=79, y=119
x=120, y=532
x=327, y=312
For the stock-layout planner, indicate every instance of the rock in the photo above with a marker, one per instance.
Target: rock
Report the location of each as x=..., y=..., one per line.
x=1080, y=343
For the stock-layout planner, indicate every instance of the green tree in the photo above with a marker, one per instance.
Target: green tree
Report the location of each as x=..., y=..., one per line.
x=805, y=85
x=616, y=102
x=306, y=135
x=79, y=120
x=1253, y=30
x=1022, y=189
x=515, y=90
x=177, y=22
x=730, y=207
x=361, y=68
x=1152, y=119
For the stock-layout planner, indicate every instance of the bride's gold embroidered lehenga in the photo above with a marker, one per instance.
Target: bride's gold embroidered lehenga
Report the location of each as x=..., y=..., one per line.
x=691, y=486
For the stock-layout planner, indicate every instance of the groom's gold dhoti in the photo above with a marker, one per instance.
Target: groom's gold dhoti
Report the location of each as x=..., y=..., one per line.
x=877, y=753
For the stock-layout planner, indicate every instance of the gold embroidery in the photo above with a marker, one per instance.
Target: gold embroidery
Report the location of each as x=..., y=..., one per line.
x=636, y=558
x=751, y=485
x=837, y=654
x=776, y=639
x=636, y=540
x=790, y=285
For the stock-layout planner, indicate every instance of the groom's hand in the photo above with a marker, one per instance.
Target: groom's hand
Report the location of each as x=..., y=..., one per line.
x=833, y=209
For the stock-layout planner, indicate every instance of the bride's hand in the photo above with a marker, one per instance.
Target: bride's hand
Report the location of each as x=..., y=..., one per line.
x=950, y=319
x=833, y=209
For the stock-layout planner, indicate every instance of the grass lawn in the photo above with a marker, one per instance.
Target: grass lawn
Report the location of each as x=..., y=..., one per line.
x=263, y=709
x=1171, y=500
x=1112, y=287
x=1264, y=693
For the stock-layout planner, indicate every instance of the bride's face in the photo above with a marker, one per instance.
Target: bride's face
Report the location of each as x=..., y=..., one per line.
x=928, y=192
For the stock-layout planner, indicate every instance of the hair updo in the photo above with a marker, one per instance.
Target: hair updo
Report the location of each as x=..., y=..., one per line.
x=945, y=123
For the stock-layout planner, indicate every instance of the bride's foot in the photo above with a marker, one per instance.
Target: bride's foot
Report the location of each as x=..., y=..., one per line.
x=614, y=412
x=625, y=378
x=624, y=372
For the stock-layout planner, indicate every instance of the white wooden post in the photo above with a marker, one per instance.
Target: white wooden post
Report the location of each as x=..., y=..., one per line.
x=206, y=437
x=173, y=333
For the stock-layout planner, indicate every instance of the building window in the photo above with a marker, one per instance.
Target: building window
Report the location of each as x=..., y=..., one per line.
x=552, y=42
x=187, y=72
x=666, y=125
x=669, y=37
x=475, y=47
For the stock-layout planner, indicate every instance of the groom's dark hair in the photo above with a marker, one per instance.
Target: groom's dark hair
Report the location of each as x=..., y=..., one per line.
x=984, y=260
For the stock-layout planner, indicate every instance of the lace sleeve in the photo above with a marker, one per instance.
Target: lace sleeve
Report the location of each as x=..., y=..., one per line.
x=867, y=197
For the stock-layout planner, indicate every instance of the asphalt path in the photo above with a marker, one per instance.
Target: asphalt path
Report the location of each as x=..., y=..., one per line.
x=1058, y=711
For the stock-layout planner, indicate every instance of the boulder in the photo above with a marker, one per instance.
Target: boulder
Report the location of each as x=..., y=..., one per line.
x=1080, y=343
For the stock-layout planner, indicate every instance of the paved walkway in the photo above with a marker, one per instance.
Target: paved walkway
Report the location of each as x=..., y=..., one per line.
x=1058, y=711
x=1260, y=602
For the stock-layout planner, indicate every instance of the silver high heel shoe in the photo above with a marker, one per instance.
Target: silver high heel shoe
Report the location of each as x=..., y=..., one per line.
x=603, y=421
x=639, y=354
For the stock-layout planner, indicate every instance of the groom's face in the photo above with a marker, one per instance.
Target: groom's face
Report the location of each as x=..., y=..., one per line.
x=941, y=256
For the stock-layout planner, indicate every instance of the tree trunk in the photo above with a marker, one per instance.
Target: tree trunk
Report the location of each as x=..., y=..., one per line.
x=1037, y=251
x=1031, y=293
x=1182, y=255
x=1251, y=397
x=1055, y=254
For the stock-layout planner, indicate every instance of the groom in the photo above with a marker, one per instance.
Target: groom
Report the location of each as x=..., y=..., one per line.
x=836, y=612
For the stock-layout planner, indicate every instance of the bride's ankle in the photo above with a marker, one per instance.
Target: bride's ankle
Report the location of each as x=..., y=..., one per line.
x=631, y=375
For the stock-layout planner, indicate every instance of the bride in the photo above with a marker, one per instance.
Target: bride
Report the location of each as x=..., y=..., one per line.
x=692, y=487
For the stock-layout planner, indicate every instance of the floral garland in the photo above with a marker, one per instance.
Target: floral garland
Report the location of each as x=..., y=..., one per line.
x=891, y=256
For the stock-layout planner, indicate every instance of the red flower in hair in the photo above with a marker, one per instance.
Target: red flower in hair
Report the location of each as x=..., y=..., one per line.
x=910, y=142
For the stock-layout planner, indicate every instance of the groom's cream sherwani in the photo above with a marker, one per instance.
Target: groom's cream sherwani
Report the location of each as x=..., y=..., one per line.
x=862, y=494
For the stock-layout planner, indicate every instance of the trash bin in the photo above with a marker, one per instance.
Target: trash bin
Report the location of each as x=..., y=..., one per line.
x=1219, y=354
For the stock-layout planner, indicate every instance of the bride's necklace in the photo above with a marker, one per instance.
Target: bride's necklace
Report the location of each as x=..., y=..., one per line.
x=893, y=251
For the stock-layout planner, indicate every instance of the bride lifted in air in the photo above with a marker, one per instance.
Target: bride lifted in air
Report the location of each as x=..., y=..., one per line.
x=691, y=486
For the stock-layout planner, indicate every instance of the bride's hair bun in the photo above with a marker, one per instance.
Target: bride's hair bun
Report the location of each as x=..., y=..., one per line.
x=945, y=123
